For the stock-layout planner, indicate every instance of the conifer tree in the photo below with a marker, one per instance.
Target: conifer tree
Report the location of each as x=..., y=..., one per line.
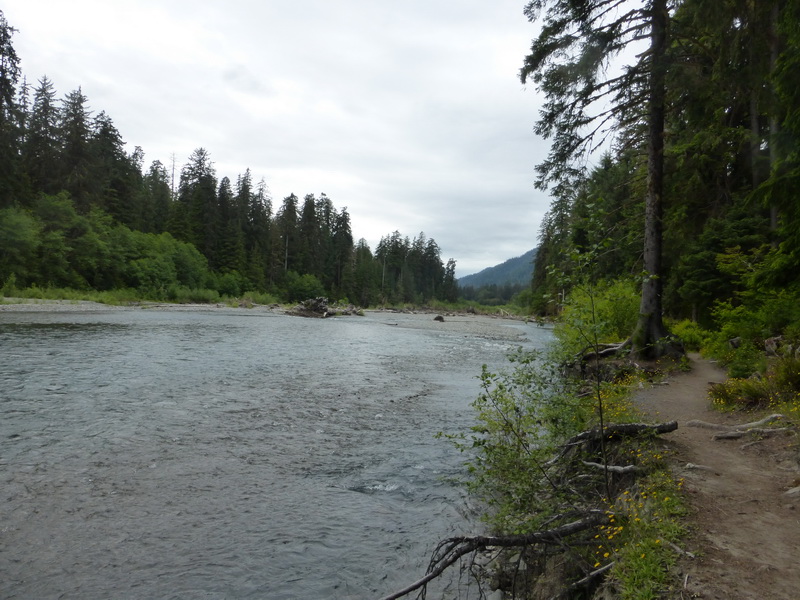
x=76, y=161
x=569, y=61
x=10, y=116
x=40, y=152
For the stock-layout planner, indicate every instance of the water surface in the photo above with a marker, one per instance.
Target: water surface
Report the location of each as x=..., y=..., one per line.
x=232, y=454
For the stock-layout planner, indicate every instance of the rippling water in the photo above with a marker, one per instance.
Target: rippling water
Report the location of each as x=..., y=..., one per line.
x=230, y=454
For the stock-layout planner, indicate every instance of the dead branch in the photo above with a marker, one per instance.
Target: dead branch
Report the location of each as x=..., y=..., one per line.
x=612, y=430
x=584, y=581
x=612, y=468
x=604, y=351
x=741, y=427
x=736, y=434
x=451, y=550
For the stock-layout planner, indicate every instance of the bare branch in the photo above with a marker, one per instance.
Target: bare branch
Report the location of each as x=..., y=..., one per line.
x=457, y=547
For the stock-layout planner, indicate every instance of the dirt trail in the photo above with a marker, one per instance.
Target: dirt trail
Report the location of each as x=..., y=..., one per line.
x=745, y=527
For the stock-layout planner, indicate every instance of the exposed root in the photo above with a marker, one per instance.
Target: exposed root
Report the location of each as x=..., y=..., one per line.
x=741, y=427
x=451, y=550
x=735, y=432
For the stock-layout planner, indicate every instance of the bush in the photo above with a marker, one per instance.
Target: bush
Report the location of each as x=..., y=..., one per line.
x=303, y=287
x=184, y=295
x=600, y=313
x=780, y=386
x=693, y=336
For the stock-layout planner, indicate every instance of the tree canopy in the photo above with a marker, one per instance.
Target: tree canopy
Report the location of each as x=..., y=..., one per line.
x=727, y=209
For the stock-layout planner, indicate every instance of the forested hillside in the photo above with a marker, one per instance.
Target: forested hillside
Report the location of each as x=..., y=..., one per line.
x=517, y=270
x=500, y=283
x=78, y=211
x=695, y=200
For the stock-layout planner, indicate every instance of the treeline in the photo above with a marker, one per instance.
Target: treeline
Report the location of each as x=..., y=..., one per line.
x=494, y=294
x=78, y=211
x=731, y=159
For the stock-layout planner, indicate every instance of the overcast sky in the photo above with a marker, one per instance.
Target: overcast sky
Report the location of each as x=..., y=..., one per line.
x=409, y=113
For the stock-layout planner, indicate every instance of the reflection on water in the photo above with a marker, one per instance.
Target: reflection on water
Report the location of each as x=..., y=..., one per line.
x=229, y=455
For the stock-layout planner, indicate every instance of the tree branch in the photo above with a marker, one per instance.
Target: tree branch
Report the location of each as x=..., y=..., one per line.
x=457, y=547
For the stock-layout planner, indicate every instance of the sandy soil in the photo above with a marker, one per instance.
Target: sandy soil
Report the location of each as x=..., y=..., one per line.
x=745, y=527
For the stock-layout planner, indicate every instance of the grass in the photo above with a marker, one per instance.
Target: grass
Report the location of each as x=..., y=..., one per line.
x=175, y=294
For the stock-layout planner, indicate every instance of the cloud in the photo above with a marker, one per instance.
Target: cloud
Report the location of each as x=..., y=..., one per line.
x=410, y=114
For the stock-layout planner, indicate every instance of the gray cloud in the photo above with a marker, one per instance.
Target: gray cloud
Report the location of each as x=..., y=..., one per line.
x=410, y=114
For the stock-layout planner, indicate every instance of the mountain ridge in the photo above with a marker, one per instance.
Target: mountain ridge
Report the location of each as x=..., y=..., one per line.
x=517, y=270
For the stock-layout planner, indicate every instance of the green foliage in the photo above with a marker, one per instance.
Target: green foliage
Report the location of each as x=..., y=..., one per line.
x=743, y=328
x=693, y=336
x=644, y=521
x=9, y=286
x=20, y=239
x=302, y=287
x=778, y=389
x=601, y=313
x=520, y=414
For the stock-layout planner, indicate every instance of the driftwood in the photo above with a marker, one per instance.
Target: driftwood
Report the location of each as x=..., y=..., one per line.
x=451, y=550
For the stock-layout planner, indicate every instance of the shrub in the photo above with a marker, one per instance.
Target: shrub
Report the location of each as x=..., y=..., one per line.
x=693, y=336
x=303, y=287
x=779, y=387
x=600, y=313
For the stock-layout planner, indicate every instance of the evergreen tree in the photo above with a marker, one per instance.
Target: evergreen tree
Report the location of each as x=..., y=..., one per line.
x=115, y=175
x=157, y=198
x=260, y=238
x=10, y=117
x=230, y=253
x=342, y=255
x=569, y=60
x=287, y=226
x=76, y=176
x=195, y=216
x=40, y=152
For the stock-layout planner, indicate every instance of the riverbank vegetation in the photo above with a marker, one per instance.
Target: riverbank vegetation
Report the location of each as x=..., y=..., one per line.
x=576, y=488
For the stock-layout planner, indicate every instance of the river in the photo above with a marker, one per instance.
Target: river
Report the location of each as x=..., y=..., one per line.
x=234, y=453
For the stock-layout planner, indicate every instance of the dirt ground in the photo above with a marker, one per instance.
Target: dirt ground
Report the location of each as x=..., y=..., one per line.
x=744, y=520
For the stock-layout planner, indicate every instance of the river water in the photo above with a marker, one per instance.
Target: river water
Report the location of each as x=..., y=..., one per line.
x=234, y=453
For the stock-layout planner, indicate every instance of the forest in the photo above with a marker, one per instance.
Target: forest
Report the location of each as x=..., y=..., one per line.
x=693, y=110
x=77, y=211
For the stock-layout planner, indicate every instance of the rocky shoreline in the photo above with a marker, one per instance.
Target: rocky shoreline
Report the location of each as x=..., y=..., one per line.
x=489, y=326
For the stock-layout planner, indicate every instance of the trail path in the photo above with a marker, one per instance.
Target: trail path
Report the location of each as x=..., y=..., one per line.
x=745, y=527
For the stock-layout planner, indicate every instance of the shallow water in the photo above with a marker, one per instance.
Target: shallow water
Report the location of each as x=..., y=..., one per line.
x=160, y=454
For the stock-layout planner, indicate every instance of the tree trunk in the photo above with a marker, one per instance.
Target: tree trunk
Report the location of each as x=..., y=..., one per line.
x=650, y=328
x=774, y=122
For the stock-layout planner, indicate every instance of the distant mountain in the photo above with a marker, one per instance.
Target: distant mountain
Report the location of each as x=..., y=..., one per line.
x=514, y=270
